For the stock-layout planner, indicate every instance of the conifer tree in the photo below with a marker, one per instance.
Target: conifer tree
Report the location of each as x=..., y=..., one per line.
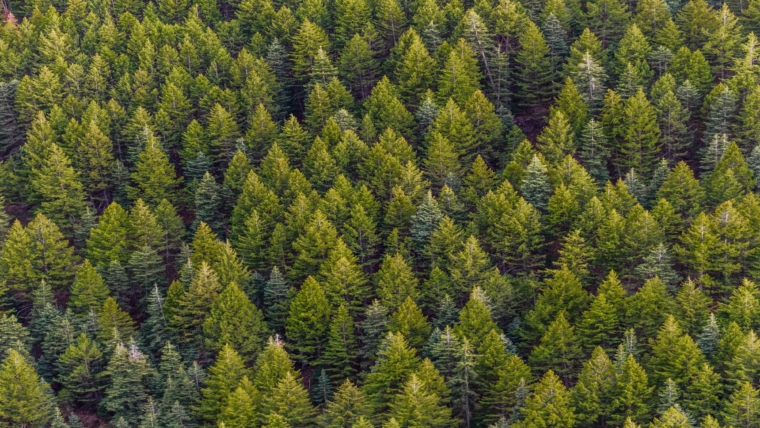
x=417, y=406
x=193, y=304
x=348, y=408
x=631, y=392
x=558, y=349
x=59, y=188
x=154, y=177
x=25, y=399
x=549, y=404
x=81, y=372
x=89, y=290
x=409, y=321
x=340, y=351
x=641, y=135
x=306, y=326
x=312, y=247
x=224, y=377
x=535, y=72
x=395, y=281
x=607, y=20
x=742, y=407
x=290, y=400
x=108, y=241
x=535, y=187
x=130, y=375
x=395, y=362
x=235, y=321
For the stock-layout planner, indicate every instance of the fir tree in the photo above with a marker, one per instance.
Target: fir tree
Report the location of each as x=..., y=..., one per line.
x=535, y=186
x=236, y=322
x=25, y=399
x=81, y=372
x=306, y=326
x=395, y=362
x=130, y=375
x=548, y=405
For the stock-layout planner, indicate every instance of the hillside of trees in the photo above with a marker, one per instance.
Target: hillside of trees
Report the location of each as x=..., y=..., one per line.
x=379, y=214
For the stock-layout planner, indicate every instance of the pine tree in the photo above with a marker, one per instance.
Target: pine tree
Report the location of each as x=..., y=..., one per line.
x=306, y=327
x=743, y=406
x=535, y=186
x=395, y=281
x=207, y=204
x=192, y=304
x=425, y=221
x=276, y=300
x=113, y=323
x=343, y=280
x=59, y=187
x=313, y=246
x=89, y=290
x=416, y=406
x=592, y=394
x=549, y=405
x=386, y=110
x=290, y=400
x=154, y=177
x=535, y=70
x=608, y=20
x=594, y=151
x=94, y=155
x=599, y=324
x=558, y=349
x=720, y=111
x=395, y=362
x=672, y=118
x=557, y=138
x=340, y=351
x=641, y=135
x=631, y=392
x=409, y=321
x=108, y=241
x=81, y=372
x=154, y=331
x=348, y=408
x=25, y=399
x=130, y=375
x=224, y=376
x=236, y=322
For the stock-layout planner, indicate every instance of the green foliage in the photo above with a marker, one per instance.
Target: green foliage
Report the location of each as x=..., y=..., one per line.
x=375, y=183
x=233, y=320
x=25, y=398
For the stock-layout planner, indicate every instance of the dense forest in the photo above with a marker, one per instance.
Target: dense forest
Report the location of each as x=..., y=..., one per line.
x=379, y=213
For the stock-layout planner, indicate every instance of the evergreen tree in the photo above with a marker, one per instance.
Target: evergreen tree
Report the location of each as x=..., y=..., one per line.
x=89, y=290
x=535, y=186
x=395, y=362
x=306, y=326
x=224, y=377
x=340, y=351
x=416, y=406
x=154, y=177
x=130, y=375
x=641, y=135
x=395, y=281
x=549, y=405
x=25, y=399
x=236, y=322
x=290, y=400
x=81, y=372
x=348, y=408
x=535, y=72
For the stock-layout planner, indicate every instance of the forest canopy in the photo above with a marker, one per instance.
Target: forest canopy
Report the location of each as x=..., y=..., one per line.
x=379, y=213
